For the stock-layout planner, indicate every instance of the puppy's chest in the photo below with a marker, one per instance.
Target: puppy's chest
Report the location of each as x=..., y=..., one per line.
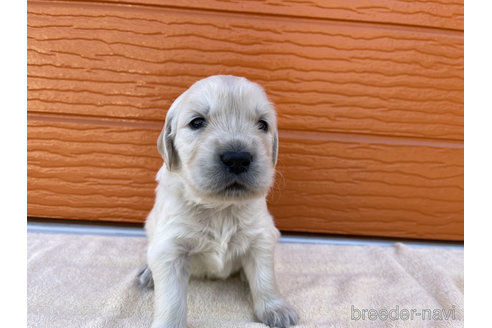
x=219, y=247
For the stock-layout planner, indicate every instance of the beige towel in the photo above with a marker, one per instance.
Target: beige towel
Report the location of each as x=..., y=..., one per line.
x=88, y=281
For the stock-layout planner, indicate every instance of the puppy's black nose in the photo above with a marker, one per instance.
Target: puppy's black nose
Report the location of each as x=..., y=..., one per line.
x=236, y=162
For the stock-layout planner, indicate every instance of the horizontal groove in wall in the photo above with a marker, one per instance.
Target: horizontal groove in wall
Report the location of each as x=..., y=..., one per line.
x=95, y=120
x=279, y=16
x=291, y=134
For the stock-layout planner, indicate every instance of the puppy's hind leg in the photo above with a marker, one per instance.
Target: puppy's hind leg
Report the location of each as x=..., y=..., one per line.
x=144, y=277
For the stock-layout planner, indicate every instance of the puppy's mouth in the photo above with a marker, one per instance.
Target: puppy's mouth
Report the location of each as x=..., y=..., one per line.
x=235, y=187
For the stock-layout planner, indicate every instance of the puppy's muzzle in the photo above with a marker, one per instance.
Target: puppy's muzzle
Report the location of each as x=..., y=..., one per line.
x=236, y=162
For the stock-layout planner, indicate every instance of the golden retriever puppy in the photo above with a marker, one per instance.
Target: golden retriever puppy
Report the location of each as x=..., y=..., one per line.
x=210, y=216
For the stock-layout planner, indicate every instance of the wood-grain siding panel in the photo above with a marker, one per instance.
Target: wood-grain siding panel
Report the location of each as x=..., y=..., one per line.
x=340, y=184
x=448, y=14
x=326, y=182
x=117, y=61
x=91, y=171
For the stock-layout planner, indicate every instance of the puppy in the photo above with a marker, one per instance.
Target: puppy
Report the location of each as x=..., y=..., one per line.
x=210, y=217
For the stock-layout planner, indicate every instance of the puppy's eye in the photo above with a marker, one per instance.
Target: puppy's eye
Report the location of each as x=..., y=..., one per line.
x=197, y=123
x=263, y=125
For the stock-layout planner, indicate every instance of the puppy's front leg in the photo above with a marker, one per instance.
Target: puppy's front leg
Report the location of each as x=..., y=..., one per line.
x=270, y=307
x=169, y=266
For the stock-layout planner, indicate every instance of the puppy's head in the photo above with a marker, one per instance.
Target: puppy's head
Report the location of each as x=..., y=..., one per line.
x=220, y=137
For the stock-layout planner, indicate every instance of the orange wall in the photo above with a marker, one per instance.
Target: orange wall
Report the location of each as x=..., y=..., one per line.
x=369, y=97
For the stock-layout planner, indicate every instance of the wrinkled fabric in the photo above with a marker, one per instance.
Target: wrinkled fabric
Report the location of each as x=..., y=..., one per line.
x=89, y=281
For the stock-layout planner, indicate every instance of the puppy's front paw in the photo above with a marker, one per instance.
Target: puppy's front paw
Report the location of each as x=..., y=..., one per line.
x=277, y=313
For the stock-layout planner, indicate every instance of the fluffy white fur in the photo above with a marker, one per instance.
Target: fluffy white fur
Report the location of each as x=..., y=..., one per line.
x=206, y=221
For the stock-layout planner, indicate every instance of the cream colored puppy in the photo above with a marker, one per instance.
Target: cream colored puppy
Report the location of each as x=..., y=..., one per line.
x=210, y=217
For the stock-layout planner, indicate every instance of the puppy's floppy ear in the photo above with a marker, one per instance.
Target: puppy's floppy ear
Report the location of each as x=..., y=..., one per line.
x=275, y=148
x=165, y=142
